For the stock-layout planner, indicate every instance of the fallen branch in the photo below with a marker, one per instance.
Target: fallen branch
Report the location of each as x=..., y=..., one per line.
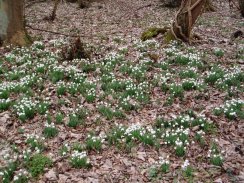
x=59, y=33
x=53, y=32
x=32, y=3
x=148, y=5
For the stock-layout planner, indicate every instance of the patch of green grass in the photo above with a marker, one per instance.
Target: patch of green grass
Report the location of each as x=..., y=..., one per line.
x=232, y=109
x=4, y=104
x=37, y=164
x=56, y=75
x=107, y=112
x=176, y=90
x=94, y=143
x=4, y=94
x=115, y=135
x=35, y=142
x=8, y=172
x=74, y=121
x=215, y=74
x=42, y=107
x=59, y=118
x=188, y=172
x=50, y=130
x=216, y=160
x=219, y=52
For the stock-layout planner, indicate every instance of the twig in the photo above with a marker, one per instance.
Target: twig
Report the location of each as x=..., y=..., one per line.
x=148, y=5
x=233, y=4
x=63, y=34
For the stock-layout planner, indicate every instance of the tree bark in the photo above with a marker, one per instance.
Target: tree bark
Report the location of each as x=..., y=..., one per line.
x=184, y=20
x=13, y=30
x=172, y=3
x=53, y=15
x=176, y=3
x=241, y=4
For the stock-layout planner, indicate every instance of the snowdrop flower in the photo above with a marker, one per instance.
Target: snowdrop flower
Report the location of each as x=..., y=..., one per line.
x=185, y=164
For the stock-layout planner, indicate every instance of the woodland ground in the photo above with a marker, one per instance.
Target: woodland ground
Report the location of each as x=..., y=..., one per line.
x=175, y=102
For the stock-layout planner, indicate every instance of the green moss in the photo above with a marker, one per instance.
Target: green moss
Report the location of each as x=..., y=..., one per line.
x=152, y=32
x=28, y=39
x=37, y=164
x=169, y=37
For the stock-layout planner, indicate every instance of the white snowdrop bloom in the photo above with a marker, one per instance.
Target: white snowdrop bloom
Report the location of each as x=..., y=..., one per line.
x=38, y=151
x=16, y=178
x=6, y=156
x=79, y=155
x=185, y=164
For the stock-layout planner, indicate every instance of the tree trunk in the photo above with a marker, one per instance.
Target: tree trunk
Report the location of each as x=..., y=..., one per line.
x=241, y=4
x=53, y=15
x=185, y=19
x=172, y=3
x=176, y=3
x=12, y=30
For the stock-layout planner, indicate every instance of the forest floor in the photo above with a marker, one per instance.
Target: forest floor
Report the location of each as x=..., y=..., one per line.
x=135, y=111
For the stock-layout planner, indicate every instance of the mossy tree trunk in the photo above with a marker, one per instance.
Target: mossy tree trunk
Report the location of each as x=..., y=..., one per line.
x=184, y=20
x=13, y=12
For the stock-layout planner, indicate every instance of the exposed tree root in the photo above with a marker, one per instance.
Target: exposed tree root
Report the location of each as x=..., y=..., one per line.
x=196, y=37
x=183, y=23
x=166, y=32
